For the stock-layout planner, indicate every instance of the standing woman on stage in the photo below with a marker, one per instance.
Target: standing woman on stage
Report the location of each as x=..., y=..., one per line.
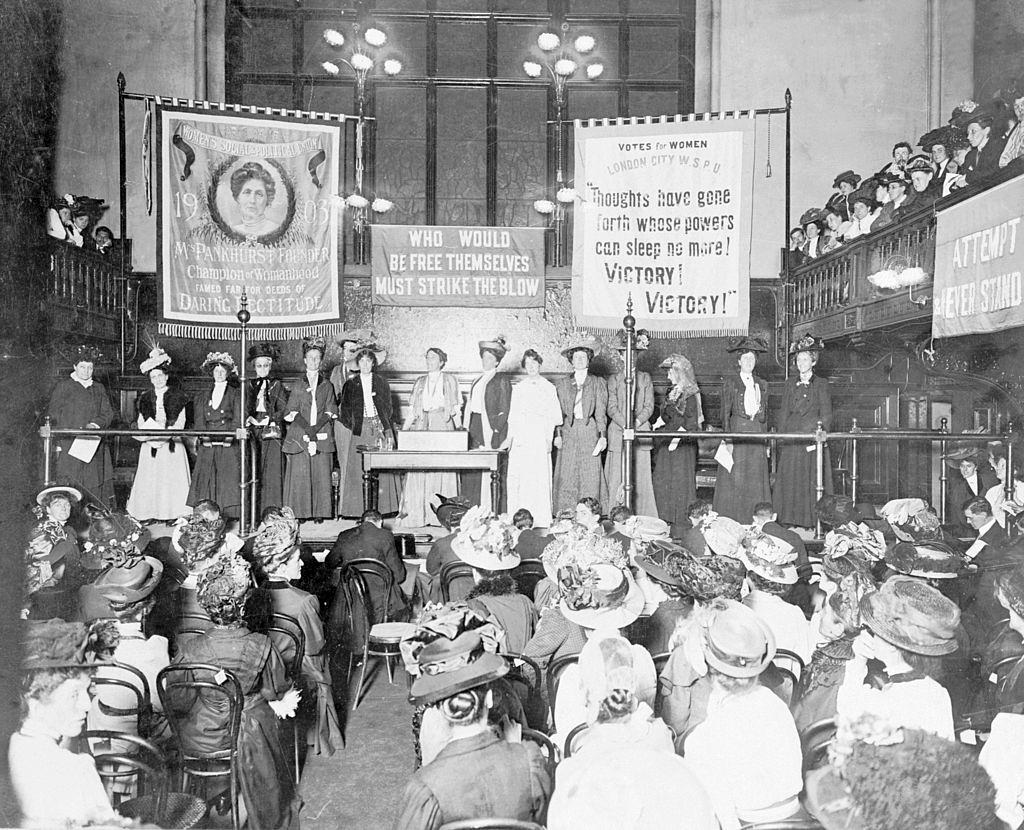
x=366, y=410
x=265, y=402
x=580, y=439
x=349, y=342
x=533, y=415
x=805, y=401
x=644, y=503
x=79, y=402
x=216, y=476
x=435, y=405
x=309, y=442
x=675, y=461
x=744, y=409
x=162, y=476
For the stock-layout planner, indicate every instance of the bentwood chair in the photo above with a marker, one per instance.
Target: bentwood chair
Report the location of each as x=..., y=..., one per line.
x=659, y=660
x=456, y=581
x=547, y=748
x=286, y=633
x=526, y=671
x=790, y=666
x=554, y=674
x=526, y=575
x=126, y=759
x=491, y=824
x=814, y=743
x=570, y=739
x=183, y=686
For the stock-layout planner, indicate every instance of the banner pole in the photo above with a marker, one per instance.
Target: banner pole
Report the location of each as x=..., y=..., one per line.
x=629, y=322
x=122, y=283
x=786, y=287
x=243, y=468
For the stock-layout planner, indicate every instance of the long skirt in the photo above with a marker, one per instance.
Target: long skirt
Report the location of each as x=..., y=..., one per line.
x=421, y=488
x=675, y=480
x=265, y=780
x=351, y=465
x=307, y=485
x=271, y=466
x=578, y=471
x=529, y=479
x=95, y=478
x=738, y=491
x=796, y=482
x=216, y=477
x=161, y=483
x=644, y=494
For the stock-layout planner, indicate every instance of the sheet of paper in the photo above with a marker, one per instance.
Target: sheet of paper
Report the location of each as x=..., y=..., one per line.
x=723, y=455
x=84, y=449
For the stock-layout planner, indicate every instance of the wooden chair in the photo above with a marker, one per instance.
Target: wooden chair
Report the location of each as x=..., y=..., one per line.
x=526, y=575
x=139, y=711
x=814, y=743
x=456, y=581
x=786, y=824
x=373, y=573
x=286, y=633
x=130, y=764
x=791, y=667
x=180, y=686
x=380, y=640
x=547, y=748
x=570, y=739
x=491, y=824
x=555, y=669
x=659, y=661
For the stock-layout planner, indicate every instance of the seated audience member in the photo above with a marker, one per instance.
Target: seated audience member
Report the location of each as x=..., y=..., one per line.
x=588, y=516
x=746, y=752
x=901, y=196
x=1003, y=506
x=115, y=539
x=469, y=771
x=198, y=539
x=276, y=552
x=887, y=777
x=986, y=146
x=765, y=518
x=570, y=538
x=484, y=542
x=974, y=477
x=662, y=562
x=909, y=627
x=835, y=230
x=449, y=513
x=848, y=536
x=864, y=212
x=78, y=232
x=530, y=542
x=264, y=775
x=53, y=569
x=901, y=151
x=1007, y=694
x=623, y=773
x=1014, y=147
x=924, y=187
x=794, y=254
x=371, y=540
x=838, y=624
x=714, y=582
x=103, y=239
x=53, y=786
x=846, y=183
x=58, y=220
x=770, y=576
x=812, y=223
x=939, y=144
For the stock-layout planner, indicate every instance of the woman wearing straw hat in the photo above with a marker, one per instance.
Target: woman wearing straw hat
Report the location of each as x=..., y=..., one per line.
x=741, y=484
x=747, y=751
x=580, y=439
x=53, y=786
x=675, y=461
x=624, y=773
x=476, y=773
x=215, y=476
x=53, y=569
x=162, y=476
x=805, y=401
x=266, y=400
x=909, y=627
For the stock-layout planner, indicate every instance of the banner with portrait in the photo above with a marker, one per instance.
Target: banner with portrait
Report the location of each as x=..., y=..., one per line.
x=663, y=217
x=247, y=203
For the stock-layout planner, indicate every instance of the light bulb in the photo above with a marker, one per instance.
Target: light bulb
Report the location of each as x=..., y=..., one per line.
x=334, y=37
x=361, y=63
x=584, y=43
x=331, y=68
x=356, y=201
x=375, y=37
x=594, y=70
x=548, y=41
x=382, y=205
x=392, y=66
x=565, y=67
x=532, y=68
x=544, y=206
x=565, y=195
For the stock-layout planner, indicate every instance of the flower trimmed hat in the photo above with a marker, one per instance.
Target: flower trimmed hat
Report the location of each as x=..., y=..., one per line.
x=769, y=557
x=55, y=644
x=588, y=343
x=807, y=343
x=933, y=560
x=485, y=541
x=497, y=347
x=747, y=344
x=115, y=538
x=224, y=359
x=449, y=666
x=910, y=614
x=276, y=539
x=643, y=340
x=602, y=596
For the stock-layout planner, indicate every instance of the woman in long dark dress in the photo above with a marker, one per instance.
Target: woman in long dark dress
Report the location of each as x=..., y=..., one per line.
x=744, y=409
x=366, y=410
x=79, y=402
x=309, y=442
x=805, y=401
x=265, y=780
x=675, y=461
x=215, y=476
x=265, y=402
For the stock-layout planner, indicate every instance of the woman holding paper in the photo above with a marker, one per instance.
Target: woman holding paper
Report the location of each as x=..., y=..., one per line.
x=162, y=476
x=805, y=402
x=675, y=461
x=744, y=409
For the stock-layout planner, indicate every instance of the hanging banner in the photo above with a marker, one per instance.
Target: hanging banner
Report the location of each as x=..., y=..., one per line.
x=979, y=260
x=663, y=217
x=246, y=203
x=414, y=265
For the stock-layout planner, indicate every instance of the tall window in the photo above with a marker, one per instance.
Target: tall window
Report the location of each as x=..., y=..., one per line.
x=462, y=136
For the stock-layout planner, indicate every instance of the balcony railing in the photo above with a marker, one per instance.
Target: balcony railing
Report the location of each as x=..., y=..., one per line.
x=83, y=291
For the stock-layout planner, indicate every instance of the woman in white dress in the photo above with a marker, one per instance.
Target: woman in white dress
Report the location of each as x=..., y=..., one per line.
x=435, y=405
x=162, y=477
x=533, y=415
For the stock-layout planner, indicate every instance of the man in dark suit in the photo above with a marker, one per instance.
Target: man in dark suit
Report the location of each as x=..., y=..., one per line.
x=486, y=414
x=531, y=543
x=989, y=555
x=449, y=513
x=974, y=477
x=368, y=540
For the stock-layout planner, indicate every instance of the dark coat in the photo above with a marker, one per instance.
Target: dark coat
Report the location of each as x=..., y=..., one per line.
x=531, y=544
x=594, y=401
x=174, y=402
x=350, y=408
x=72, y=406
x=277, y=398
x=960, y=492
x=215, y=475
x=497, y=400
x=367, y=541
x=978, y=166
x=300, y=399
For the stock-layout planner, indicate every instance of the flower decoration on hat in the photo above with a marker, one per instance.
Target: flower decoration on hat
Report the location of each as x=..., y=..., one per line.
x=642, y=339
x=157, y=358
x=86, y=353
x=276, y=539
x=114, y=537
x=707, y=578
x=768, y=556
x=447, y=620
x=582, y=550
x=52, y=644
x=314, y=341
x=226, y=583
x=485, y=540
x=219, y=359
x=899, y=513
x=845, y=601
x=199, y=538
x=857, y=540
x=807, y=343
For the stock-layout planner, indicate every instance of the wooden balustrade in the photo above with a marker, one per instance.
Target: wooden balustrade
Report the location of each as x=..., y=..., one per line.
x=84, y=291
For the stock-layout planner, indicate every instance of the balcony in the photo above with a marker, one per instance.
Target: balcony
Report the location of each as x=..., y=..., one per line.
x=82, y=293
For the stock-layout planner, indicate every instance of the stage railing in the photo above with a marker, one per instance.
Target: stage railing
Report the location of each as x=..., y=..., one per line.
x=50, y=433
